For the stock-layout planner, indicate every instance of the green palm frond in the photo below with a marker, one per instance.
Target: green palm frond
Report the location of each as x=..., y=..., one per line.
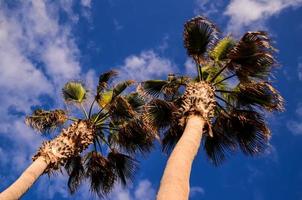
x=120, y=87
x=252, y=56
x=103, y=99
x=100, y=172
x=221, y=49
x=124, y=166
x=45, y=121
x=74, y=92
x=199, y=34
x=76, y=172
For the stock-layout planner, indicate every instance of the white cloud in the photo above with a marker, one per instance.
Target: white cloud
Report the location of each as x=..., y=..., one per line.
x=86, y=3
x=253, y=13
x=196, y=191
x=146, y=65
x=37, y=55
x=144, y=191
x=190, y=67
x=295, y=126
x=208, y=7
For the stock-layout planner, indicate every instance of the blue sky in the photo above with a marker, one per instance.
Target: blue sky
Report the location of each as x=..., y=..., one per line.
x=44, y=43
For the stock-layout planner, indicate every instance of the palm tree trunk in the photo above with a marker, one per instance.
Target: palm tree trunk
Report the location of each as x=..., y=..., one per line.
x=175, y=183
x=25, y=181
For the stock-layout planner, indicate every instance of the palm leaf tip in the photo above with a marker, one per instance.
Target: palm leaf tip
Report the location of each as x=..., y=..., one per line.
x=44, y=121
x=124, y=166
x=199, y=33
x=75, y=170
x=74, y=91
x=100, y=172
x=104, y=79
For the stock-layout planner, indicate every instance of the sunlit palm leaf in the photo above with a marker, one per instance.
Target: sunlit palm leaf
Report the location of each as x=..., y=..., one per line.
x=120, y=87
x=222, y=48
x=44, y=121
x=74, y=92
x=199, y=34
x=104, y=98
x=124, y=166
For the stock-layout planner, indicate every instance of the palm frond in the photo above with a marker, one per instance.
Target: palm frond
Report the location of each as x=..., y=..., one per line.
x=104, y=98
x=45, y=121
x=161, y=113
x=252, y=56
x=221, y=49
x=120, y=87
x=120, y=109
x=261, y=94
x=100, y=172
x=134, y=136
x=135, y=100
x=171, y=137
x=152, y=87
x=74, y=92
x=76, y=172
x=104, y=79
x=199, y=34
x=124, y=166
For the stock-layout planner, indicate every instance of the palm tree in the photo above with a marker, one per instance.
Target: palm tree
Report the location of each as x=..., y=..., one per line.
x=222, y=108
x=111, y=137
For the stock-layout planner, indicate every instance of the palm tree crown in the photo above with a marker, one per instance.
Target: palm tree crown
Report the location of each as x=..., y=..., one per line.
x=231, y=93
x=112, y=135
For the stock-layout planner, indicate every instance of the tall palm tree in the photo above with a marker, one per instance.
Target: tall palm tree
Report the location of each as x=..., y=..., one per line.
x=222, y=108
x=111, y=137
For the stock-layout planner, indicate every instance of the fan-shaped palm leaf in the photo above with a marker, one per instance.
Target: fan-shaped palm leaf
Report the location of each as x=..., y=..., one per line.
x=222, y=48
x=199, y=34
x=74, y=91
x=104, y=79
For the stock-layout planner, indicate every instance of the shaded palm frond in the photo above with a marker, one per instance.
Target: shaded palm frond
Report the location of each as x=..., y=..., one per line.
x=135, y=100
x=152, y=87
x=252, y=56
x=260, y=94
x=104, y=79
x=120, y=87
x=199, y=34
x=120, y=109
x=74, y=91
x=171, y=137
x=45, y=121
x=76, y=172
x=248, y=128
x=124, y=166
x=134, y=136
x=161, y=113
x=221, y=49
x=100, y=172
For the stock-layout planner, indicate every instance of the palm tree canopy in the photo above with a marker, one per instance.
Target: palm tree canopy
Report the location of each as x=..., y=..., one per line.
x=239, y=73
x=118, y=129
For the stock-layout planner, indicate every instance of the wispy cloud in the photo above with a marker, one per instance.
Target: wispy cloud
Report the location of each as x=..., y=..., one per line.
x=146, y=65
x=196, y=191
x=254, y=13
x=295, y=126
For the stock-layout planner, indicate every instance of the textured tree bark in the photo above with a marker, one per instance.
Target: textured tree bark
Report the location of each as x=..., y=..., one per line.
x=25, y=181
x=175, y=183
